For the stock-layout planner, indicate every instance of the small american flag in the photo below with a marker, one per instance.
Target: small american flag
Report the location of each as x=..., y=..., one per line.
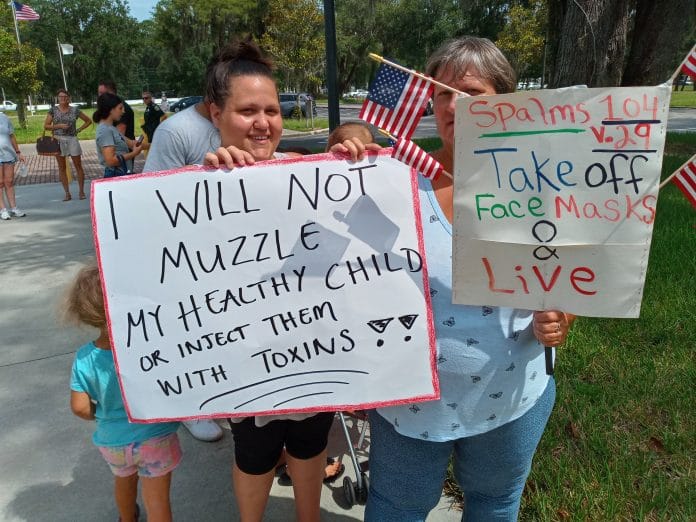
x=411, y=154
x=396, y=101
x=686, y=180
x=24, y=12
x=689, y=66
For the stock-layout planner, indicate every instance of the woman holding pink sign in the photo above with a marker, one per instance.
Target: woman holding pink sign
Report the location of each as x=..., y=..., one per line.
x=495, y=394
x=244, y=107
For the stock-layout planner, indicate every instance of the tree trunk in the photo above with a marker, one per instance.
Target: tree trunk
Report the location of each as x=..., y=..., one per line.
x=21, y=111
x=660, y=30
x=590, y=41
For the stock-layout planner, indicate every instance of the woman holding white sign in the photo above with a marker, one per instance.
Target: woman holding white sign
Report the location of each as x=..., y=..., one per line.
x=495, y=394
x=244, y=107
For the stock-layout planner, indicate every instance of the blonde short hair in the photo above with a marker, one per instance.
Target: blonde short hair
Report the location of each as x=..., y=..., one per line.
x=480, y=53
x=84, y=300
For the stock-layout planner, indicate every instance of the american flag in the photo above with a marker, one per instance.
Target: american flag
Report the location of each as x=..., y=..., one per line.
x=686, y=180
x=396, y=101
x=24, y=12
x=411, y=154
x=689, y=66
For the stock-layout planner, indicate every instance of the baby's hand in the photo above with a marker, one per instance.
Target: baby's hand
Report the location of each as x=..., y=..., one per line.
x=355, y=148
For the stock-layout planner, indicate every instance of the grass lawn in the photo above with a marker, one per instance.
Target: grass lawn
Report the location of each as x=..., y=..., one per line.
x=620, y=442
x=683, y=98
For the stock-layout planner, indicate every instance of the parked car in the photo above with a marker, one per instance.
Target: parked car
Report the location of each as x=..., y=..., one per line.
x=359, y=94
x=290, y=101
x=183, y=103
x=7, y=105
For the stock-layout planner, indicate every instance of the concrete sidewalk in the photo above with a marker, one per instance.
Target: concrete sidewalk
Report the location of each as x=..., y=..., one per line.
x=50, y=469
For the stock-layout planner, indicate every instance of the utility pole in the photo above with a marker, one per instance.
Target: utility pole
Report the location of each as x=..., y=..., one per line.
x=331, y=75
x=19, y=47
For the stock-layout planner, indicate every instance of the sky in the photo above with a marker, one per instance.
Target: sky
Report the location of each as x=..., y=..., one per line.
x=141, y=9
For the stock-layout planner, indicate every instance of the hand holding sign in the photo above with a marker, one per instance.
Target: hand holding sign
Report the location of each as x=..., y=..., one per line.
x=555, y=198
x=257, y=290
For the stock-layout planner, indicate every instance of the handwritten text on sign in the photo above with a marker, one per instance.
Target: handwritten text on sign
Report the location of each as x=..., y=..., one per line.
x=295, y=285
x=555, y=197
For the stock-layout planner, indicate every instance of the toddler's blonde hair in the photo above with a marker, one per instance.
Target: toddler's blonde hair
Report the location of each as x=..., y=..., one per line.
x=84, y=300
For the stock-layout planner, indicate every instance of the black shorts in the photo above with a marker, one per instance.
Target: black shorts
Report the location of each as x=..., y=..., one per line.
x=257, y=450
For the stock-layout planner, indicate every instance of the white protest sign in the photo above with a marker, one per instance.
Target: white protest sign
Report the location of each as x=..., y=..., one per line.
x=555, y=198
x=293, y=285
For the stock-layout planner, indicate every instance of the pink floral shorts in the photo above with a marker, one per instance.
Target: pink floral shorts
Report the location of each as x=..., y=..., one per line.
x=151, y=458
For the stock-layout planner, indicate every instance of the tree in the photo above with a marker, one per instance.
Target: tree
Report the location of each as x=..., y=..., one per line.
x=406, y=30
x=186, y=35
x=295, y=38
x=426, y=22
x=19, y=70
x=355, y=38
x=663, y=32
x=106, y=42
x=522, y=39
x=618, y=42
x=590, y=41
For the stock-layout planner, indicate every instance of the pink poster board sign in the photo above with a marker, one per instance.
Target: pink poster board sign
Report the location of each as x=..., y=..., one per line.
x=290, y=286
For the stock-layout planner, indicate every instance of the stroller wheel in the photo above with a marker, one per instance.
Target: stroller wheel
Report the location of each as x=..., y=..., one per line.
x=349, y=491
x=362, y=493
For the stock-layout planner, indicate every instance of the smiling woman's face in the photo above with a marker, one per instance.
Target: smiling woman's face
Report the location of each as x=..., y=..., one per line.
x=250, y=119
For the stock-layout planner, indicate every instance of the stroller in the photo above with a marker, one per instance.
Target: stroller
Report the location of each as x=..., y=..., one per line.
x=355, y=492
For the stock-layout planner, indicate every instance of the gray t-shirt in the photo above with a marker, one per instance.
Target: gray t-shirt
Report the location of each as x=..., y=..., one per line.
x=181, y=140
x=7, y=152
x=108, y=136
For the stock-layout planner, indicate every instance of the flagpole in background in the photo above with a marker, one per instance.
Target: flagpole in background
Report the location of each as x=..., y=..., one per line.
x=19, y=48
x=60, y=55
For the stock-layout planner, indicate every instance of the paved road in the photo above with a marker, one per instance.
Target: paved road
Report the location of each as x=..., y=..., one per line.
x=680, y=120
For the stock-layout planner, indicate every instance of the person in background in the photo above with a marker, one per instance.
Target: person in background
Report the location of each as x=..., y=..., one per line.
x=164, y=103
x=154, y=115
x=149, y=452
x=9, y=154
x=182, y=140
x=62, y=121
x=495, y=394
x=114, y=150
x=126, y=124
x=243, y=105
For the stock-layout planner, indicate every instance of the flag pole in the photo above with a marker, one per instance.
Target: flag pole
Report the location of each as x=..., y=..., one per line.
x=60, y=55
x=378, y=58
x=678, y=71
x=394, y=138
x=19, y=46
x=692, y=158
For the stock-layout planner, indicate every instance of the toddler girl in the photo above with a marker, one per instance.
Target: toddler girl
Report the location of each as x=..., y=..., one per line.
x=150, y=451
